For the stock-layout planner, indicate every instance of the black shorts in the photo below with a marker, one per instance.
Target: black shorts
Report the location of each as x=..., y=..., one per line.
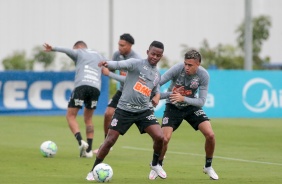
x=122, y=120
x=86, y=95
x=173, y=116
x=114, y=101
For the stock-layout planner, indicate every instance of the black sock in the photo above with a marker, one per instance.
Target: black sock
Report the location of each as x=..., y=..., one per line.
x=78, y=137
x=161, y=162
x=155, y=159
x=208, y=162
x=97, y=161
x=89, y=141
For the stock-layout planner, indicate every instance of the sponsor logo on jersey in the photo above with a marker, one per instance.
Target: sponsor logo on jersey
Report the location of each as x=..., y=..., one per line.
x=114, y=122
x=139, y=87
x=181, y=90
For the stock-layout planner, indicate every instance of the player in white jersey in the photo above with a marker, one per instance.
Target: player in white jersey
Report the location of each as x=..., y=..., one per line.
x=133, y=107
x=87, y=86
x=183, y=104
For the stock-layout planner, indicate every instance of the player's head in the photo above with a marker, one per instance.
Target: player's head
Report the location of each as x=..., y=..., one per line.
x=155, y=52
x=192, y=60
x=80, y=45
x=125, y=43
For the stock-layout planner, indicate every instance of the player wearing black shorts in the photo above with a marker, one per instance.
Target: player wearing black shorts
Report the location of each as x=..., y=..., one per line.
x=133, y=107
x=183, y=104
x=86, y=91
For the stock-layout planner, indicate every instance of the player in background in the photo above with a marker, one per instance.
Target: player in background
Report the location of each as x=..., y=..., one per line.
x=133, y=107
x=87, y=86
x=183, y=104
x=124, y=52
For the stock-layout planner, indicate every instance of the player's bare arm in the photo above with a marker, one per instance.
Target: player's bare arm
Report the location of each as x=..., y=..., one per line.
x=156, y=99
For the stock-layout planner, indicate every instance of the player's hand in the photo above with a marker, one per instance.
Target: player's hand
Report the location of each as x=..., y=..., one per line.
x=156, y=99
x=47, y=47
x=105, y=71
x=176, y=97
x=103, y=63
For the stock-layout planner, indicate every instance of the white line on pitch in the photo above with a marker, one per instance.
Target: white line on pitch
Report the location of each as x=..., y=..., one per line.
x=193, y=154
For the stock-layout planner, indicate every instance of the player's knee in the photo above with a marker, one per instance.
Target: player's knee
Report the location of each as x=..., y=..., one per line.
x=210, y=136
x=159, y=139
x=109, y=113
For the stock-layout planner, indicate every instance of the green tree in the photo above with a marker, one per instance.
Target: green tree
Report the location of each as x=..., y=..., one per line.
x=47, y=58
x=18, y=61
x=261, y=26
x=232, y=57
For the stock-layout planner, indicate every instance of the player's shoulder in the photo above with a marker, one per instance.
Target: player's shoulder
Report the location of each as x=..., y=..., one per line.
x=202, y=72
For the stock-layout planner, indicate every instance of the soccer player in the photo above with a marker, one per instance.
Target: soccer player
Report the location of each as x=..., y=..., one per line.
x=124, y=52
x=87, y=86
x=183, y=104
x=133, y=107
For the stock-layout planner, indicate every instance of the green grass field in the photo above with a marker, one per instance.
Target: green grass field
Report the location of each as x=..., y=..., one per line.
x=247, y=151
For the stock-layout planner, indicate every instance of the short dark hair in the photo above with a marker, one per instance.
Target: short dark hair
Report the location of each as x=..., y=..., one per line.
x=193, y=54
x=80, y=43
x=157, y=44
x=127, y=37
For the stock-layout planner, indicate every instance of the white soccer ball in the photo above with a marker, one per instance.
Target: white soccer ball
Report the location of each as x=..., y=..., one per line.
x=102, y=172
x=48, y=149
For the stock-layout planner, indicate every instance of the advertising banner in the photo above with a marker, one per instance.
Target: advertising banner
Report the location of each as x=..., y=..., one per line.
x=241, y=94
x=41, y=93
x=231, y=94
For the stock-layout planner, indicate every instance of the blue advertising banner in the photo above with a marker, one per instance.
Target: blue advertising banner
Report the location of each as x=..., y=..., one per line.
x=232, y=94
x=41, y=93
x=241, y=94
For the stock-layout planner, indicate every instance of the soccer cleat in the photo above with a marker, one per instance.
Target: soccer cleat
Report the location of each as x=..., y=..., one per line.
x=82, y=148
x=153, y=175
x=89, y=154
x=90, y=176
x=210, y=171
x=159, y=170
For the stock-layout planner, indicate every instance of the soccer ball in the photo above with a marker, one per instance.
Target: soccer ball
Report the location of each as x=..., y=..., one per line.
x=102, y=172
x=48, y=149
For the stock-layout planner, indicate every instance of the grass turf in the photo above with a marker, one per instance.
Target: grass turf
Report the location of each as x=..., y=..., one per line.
x=247, y=151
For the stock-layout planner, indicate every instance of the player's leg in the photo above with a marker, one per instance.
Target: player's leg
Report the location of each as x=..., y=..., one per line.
x=89, y=128
x=107, y=118
x=119, y=125
x=73, y=124
x=91, y=95
x=206, y=129
x=167, y=131
x=104, y=149
x=75, y=103
x=110, y=111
